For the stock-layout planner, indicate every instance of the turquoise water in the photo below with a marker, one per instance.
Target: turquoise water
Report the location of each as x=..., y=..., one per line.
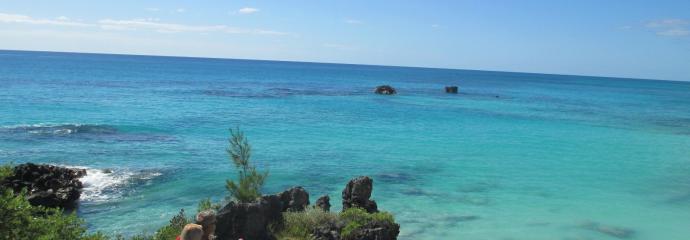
x=513, y=156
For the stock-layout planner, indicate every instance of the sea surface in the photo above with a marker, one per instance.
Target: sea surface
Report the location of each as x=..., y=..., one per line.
x=512, y=156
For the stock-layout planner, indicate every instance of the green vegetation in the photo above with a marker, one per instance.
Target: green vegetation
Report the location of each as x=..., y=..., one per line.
x=248, y=186
x=20, y=220
x=301, y=225
x=5, y=171
x=355, y=218
x=206, y=204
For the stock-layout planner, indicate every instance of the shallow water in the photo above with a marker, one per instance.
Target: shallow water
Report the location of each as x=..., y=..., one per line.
x=513, y=156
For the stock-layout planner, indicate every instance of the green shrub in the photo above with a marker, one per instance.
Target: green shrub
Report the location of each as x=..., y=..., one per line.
x=5, y=171
x=174, y=228
x=355, y=218
x=300, y=225
x=207, y=204
x=20, y=220
x=250, y=181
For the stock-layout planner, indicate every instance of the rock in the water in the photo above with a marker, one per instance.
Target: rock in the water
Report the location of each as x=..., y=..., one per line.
x=376, y=230
x=294, y=199
x=324, y=203
x=249, y=220
x=357, y=193
x=451, y=89
x=47, y=185
x=385, y=90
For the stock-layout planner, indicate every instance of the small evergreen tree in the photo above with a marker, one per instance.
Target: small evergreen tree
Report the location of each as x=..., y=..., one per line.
x=249, y=182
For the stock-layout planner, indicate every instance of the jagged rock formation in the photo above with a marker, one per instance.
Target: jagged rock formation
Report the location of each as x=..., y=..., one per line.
x=294, y=199
x=252, y=220
x=249, y=220
x=324, y=203
x=47, y=185
x=357, y=193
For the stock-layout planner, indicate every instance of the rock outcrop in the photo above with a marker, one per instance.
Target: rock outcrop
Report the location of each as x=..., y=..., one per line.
x=294, y=199
x=324, y=203
x=357, y=193
x=47, y=185
x=249, y=220
x=376, y=230
x=252, y=220
x=385, y=90
x=451, y=89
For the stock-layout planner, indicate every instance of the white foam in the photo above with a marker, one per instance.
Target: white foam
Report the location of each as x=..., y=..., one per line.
x=101, y=186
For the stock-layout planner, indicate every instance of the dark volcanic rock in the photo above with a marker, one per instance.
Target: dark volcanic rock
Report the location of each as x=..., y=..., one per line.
x=385, y=90
x=377, y=230
x=294, y=199
x=249, y=220
x=47, y=185
x=357, y=193
x=324, y=203
x=451, y=89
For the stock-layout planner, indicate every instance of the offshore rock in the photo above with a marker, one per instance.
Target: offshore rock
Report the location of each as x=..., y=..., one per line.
x=357, y=193
x=451, y=89
x=324, y=203
x=385, y=90
x=294, y=199
x=47, y=185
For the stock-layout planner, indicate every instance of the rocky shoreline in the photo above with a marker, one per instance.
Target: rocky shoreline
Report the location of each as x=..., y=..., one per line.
x=47, y=185
x=60, y=187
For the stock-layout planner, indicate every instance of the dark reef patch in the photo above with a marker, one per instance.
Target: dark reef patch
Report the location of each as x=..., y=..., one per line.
x=60, y=130
x=613, y=231
x=95, y=132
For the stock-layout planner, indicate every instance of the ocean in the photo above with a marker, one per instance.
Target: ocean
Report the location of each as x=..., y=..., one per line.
x=512, y=156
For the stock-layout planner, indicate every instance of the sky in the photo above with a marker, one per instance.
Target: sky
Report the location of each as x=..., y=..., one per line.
x=617, y=38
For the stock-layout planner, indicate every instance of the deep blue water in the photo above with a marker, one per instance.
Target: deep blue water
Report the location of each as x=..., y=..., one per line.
x=513, y=156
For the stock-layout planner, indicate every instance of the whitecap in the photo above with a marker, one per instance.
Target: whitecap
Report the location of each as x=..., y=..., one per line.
x=100, y=185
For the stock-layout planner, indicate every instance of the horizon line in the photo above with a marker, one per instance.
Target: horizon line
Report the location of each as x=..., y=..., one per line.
x=341, y=63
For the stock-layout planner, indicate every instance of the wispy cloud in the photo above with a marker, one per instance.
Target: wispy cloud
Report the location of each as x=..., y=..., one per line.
x=435, y=26
x=353, y=21
x=180, y=10
x=670, y=27
x=247, y=10
x=152, y=9
x=161, y=27
x=23, y=19
x=147, y=24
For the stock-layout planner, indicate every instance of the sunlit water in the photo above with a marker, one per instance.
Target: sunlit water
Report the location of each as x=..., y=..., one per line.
x=513, y=156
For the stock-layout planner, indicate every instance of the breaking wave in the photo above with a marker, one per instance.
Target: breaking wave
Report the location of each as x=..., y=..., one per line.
x=107, y=184
x=59, y=129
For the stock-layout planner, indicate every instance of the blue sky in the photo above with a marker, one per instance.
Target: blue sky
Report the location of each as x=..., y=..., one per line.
x=638, y=39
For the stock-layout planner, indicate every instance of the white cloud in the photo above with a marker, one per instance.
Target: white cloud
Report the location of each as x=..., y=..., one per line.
x=148, y=24
x=152, y=9
x=161, y=27
x=61, y=21
x=670, y=27
x=435, y=26
x=674, y=32
x=247, y=10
